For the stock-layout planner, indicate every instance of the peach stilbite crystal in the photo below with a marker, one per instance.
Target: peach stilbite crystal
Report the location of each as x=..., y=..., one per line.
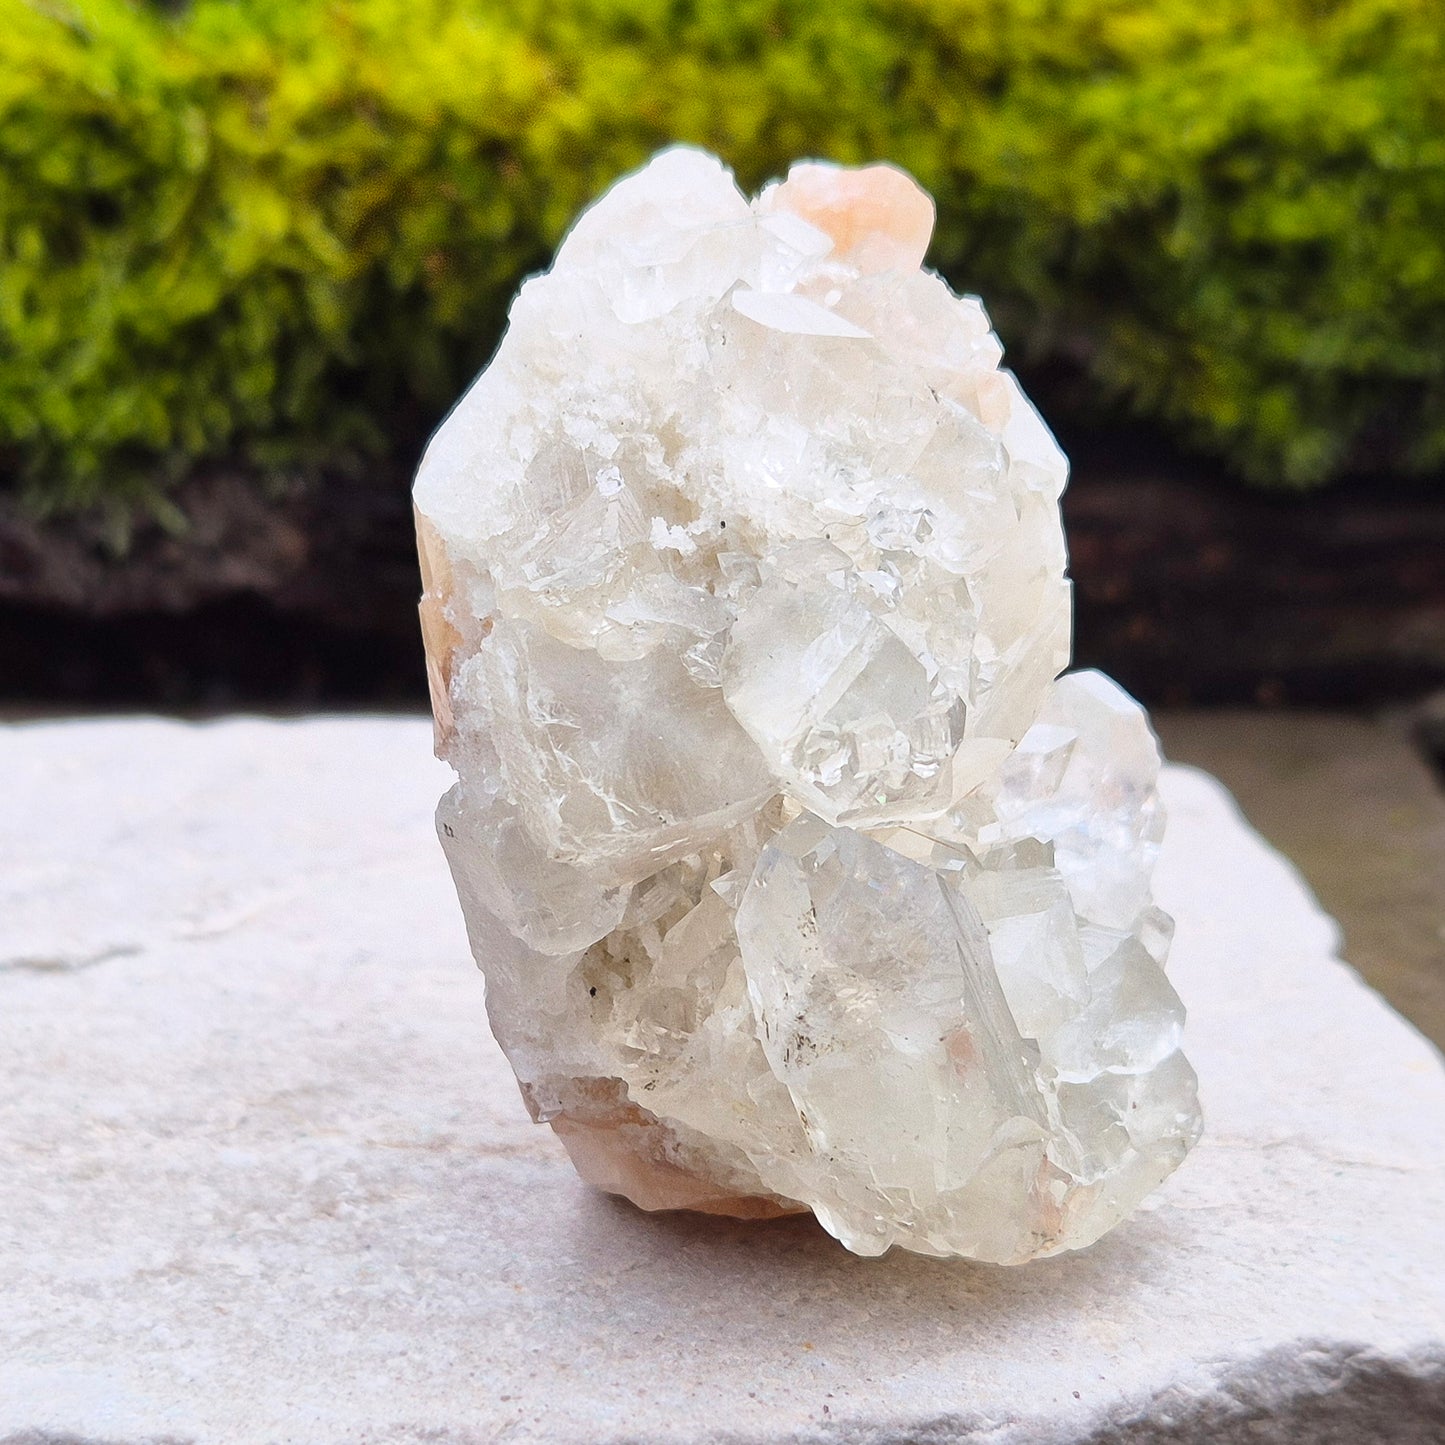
x=800, y=878
x=878, y=218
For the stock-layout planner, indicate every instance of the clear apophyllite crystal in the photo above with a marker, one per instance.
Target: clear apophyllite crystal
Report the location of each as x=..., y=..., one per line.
x=799, y=877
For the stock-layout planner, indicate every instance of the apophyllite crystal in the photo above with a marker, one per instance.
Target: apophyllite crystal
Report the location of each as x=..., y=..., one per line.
x=799, y=877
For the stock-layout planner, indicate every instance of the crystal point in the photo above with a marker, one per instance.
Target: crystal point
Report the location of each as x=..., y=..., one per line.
x=800, y=877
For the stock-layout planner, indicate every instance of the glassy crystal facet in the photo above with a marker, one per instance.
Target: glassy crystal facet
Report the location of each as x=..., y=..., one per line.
x=800, y=878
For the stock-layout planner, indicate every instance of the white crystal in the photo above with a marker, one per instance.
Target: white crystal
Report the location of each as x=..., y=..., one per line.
x=798, y=880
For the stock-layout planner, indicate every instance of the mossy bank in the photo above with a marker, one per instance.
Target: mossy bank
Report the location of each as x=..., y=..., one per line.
x=284, y=233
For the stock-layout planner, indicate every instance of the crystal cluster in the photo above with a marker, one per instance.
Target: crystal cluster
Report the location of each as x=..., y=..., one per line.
x=800, y=878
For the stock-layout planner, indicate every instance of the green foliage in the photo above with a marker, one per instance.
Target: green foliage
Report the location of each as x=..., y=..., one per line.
x=287, y=230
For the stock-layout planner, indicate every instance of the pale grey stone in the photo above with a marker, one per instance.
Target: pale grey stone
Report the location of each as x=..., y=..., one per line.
x=264, y=1177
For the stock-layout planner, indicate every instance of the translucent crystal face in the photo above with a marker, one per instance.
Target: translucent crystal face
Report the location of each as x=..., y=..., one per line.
x=799, y=877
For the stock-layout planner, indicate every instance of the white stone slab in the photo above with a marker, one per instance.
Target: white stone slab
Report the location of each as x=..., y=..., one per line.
x=264, y=1176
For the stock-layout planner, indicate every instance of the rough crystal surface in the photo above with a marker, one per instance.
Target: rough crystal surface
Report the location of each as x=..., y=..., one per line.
x=800, y=877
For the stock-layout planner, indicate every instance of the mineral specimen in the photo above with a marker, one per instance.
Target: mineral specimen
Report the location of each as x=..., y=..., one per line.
x=800, y=878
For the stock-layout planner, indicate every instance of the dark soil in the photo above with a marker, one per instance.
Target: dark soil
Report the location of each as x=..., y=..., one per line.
x=1190, y=589
x=1195, y=590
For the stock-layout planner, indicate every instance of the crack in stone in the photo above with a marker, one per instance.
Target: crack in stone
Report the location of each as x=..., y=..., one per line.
x=61, y=963
x=1322, y=1156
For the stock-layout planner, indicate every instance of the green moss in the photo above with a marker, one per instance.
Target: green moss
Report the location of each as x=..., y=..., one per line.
x=287, y=230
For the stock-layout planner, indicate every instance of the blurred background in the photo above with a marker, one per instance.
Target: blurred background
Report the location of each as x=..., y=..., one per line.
x=250, y=251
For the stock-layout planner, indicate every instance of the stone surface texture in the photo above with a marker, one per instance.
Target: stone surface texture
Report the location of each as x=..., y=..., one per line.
x=798, y=879
x=263, y=1176
x=1351, y=800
